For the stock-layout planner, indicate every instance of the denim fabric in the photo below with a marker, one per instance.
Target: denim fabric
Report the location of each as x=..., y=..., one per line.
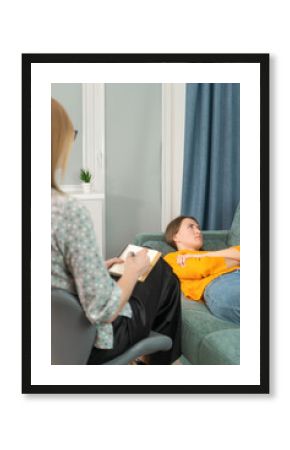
x=222, y=297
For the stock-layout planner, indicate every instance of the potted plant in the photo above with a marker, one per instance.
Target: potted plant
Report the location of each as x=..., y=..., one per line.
x=85, y=177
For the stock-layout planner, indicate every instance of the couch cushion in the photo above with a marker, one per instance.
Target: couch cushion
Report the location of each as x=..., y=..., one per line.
x=207, y=339
x=220, y=347
x=234, y=234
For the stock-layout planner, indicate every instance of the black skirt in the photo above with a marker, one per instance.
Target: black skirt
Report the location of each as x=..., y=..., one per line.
x=156, y=306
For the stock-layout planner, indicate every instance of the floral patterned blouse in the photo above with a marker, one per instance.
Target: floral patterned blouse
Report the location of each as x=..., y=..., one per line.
x=77, y=267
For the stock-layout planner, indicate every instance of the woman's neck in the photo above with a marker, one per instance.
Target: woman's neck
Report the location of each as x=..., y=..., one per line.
x=186, y=247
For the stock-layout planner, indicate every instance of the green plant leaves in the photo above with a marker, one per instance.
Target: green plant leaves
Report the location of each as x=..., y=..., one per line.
x=85, y=176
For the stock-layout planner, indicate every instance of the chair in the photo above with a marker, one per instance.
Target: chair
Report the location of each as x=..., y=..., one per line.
x=73, y=336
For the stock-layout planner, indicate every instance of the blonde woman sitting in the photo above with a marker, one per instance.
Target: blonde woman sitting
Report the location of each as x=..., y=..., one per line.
x=125, y=311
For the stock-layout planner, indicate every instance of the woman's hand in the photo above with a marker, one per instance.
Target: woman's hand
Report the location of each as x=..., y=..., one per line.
x=112, y=261
x=229, y=253
x=137, y=264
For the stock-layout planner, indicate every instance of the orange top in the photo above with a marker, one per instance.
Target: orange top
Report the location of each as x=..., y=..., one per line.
x=197, y=272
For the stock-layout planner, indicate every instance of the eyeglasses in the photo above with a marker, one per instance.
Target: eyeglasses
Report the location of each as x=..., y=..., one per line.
x=75, y=134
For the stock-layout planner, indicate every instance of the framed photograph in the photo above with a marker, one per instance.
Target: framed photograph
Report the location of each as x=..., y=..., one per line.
x=157, y=136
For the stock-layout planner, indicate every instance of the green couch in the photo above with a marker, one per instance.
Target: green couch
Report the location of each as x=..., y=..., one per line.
x=205, y=338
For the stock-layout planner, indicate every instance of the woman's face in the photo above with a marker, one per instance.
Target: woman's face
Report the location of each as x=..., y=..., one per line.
x=189, y=235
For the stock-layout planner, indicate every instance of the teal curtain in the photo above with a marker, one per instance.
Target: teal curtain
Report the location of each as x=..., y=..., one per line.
x=211, y=170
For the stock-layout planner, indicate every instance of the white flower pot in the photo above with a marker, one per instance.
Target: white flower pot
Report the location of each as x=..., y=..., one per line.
x=86, y=188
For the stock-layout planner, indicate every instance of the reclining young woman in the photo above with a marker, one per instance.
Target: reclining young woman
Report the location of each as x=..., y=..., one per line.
x=125, y=311
x=212, y=276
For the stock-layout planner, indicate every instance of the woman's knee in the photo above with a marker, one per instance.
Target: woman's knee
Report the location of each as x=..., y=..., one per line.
x=222, y=297
x=225, y=311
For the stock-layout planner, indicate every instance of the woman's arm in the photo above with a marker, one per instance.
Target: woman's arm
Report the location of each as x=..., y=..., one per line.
x=98, y=293
x=135, y=266
x=231, y=256
x=101, y=297
x=231, y=253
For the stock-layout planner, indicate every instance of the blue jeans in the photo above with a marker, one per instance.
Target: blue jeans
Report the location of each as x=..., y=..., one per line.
x=222, y=296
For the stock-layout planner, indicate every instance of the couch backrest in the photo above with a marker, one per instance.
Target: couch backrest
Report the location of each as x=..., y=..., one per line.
x=213, y=240
x=161, y=246
x=234, y=233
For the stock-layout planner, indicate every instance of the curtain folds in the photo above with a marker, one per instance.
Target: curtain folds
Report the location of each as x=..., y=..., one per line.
x=211, y=171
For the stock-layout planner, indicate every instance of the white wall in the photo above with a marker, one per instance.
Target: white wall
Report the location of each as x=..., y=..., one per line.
x=133, y=162
x=133, y=141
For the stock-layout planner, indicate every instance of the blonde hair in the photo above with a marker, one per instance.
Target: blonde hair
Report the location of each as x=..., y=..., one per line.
x=62, y=136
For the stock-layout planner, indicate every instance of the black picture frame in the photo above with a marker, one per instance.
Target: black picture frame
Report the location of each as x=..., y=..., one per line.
x=263, y=61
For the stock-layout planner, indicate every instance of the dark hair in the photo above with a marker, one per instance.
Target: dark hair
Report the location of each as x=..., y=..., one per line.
x=173, y=227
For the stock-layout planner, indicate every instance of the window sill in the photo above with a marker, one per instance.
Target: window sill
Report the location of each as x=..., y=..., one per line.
x=77, y=192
